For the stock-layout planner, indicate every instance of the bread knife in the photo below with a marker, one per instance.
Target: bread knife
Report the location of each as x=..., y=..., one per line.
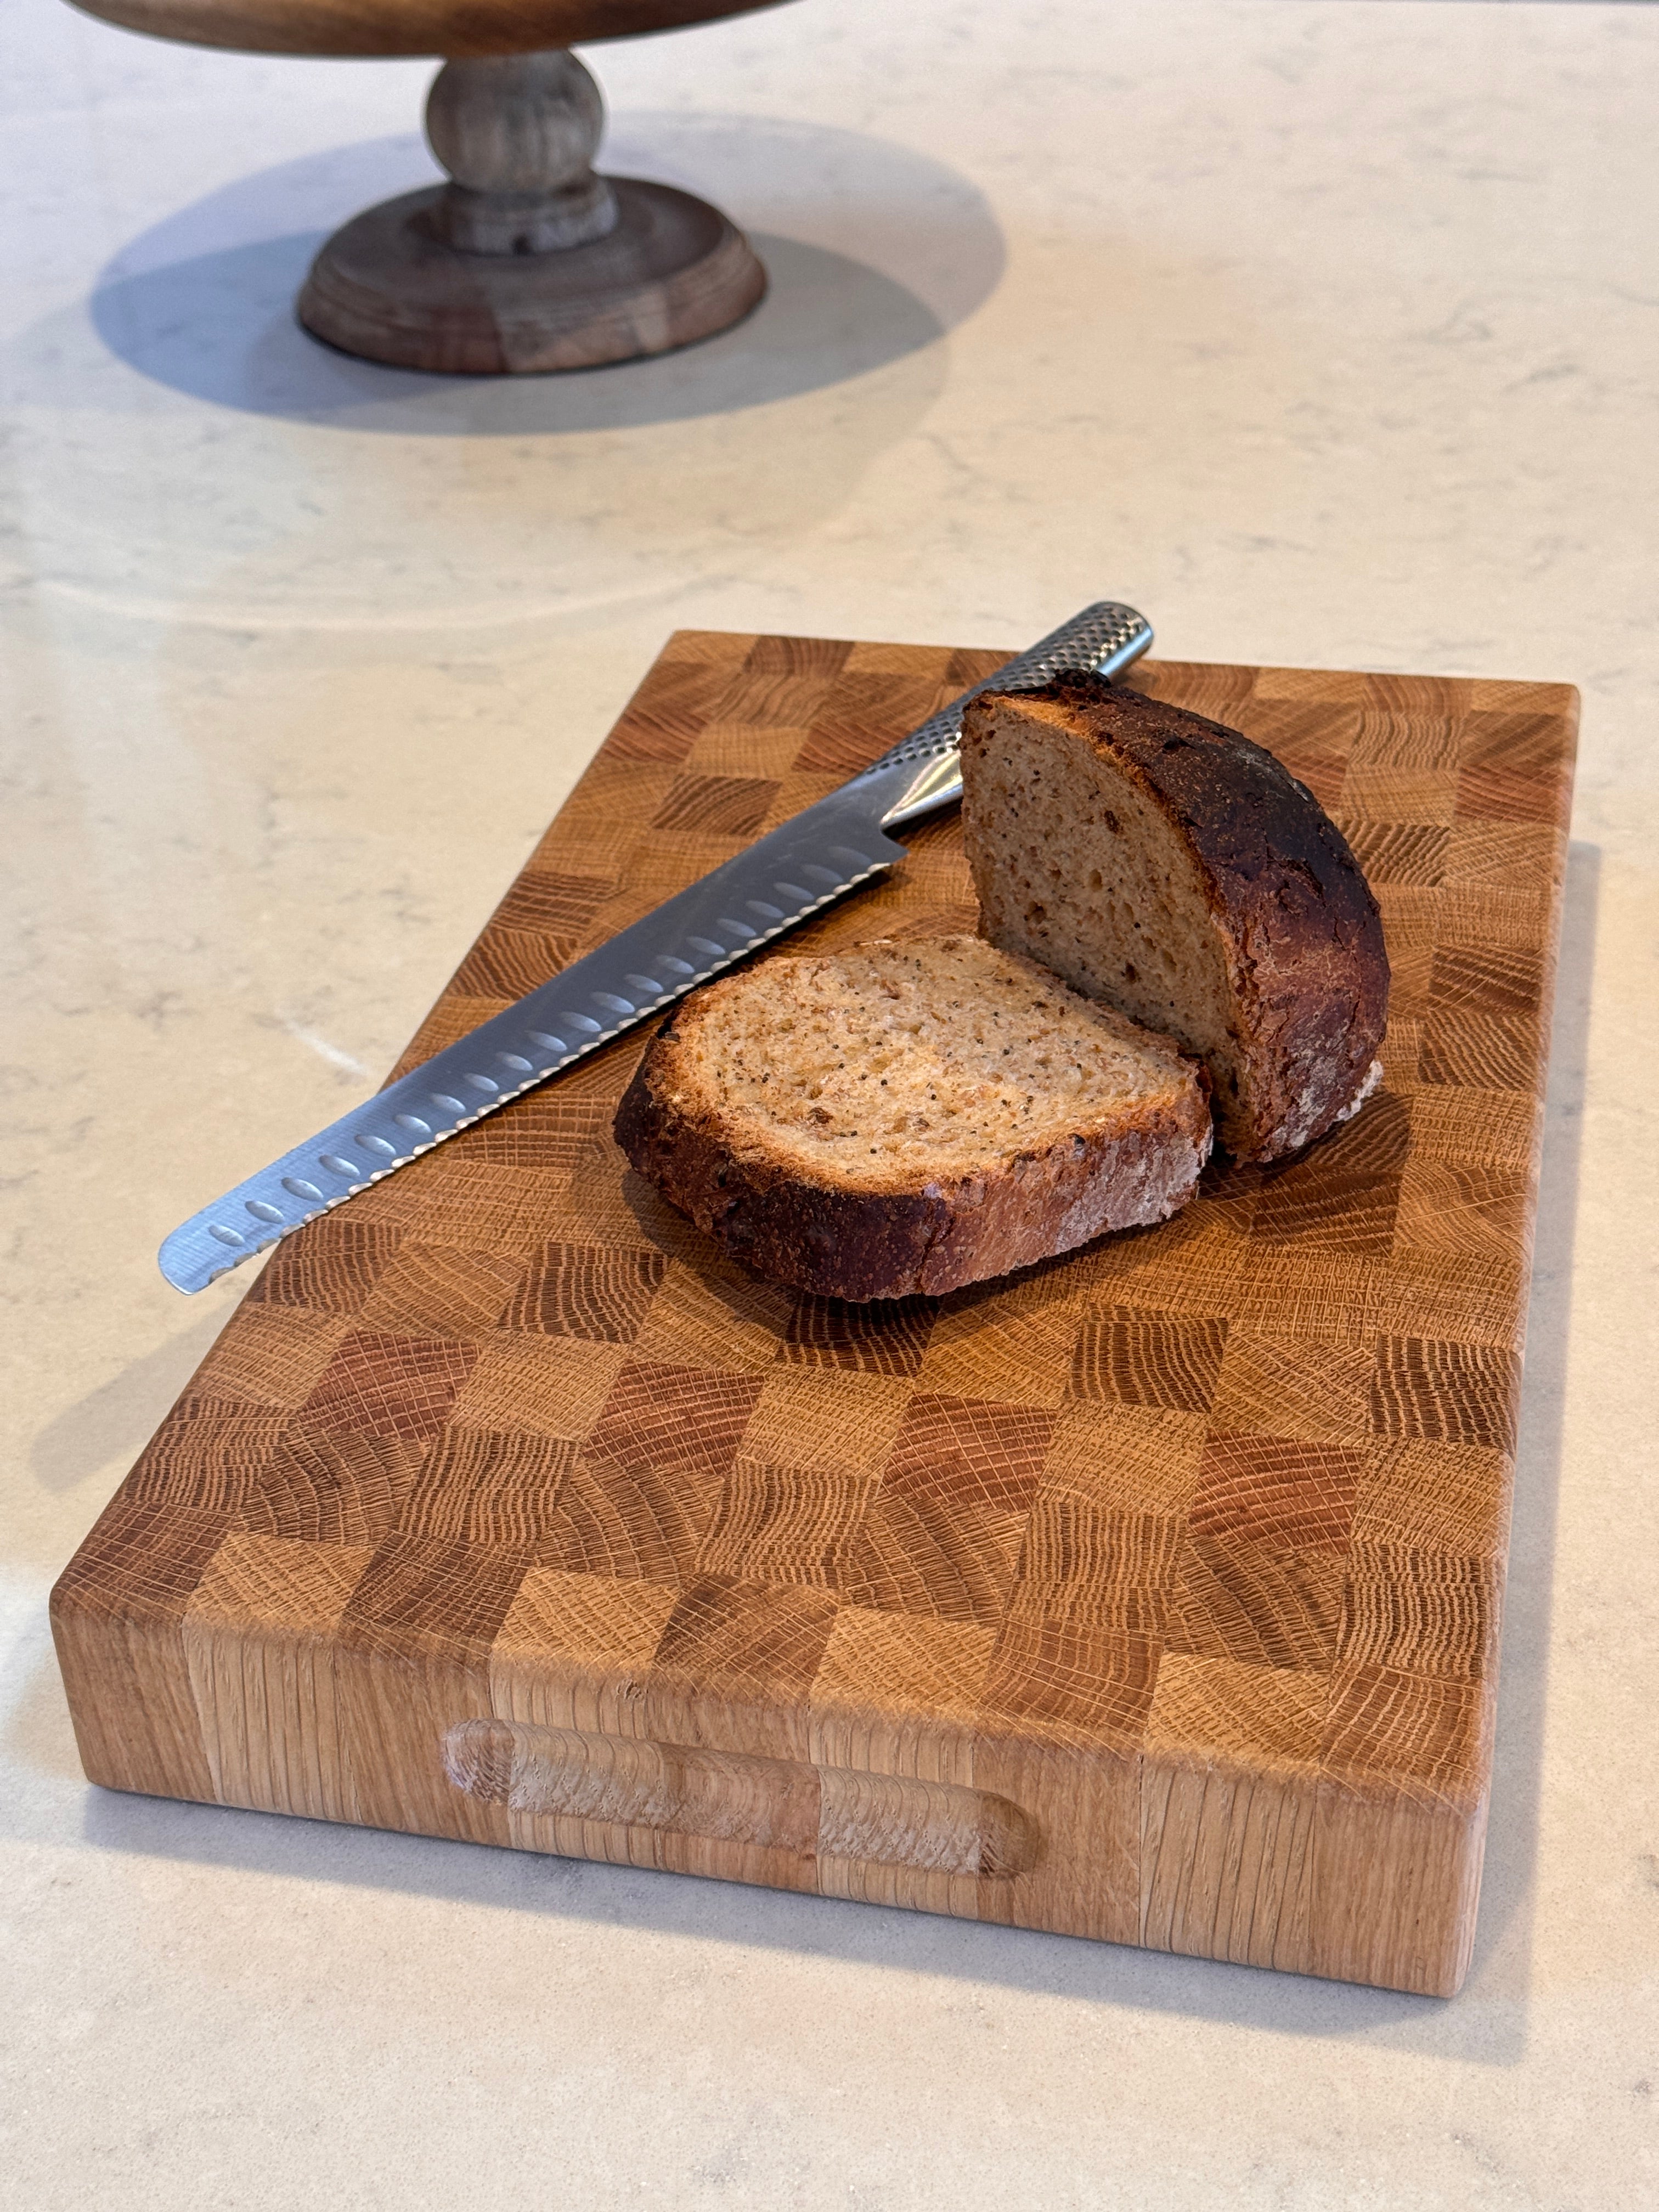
x=795, y=871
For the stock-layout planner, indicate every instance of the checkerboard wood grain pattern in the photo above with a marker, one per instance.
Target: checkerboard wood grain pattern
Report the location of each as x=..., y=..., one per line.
x=1151, y=1594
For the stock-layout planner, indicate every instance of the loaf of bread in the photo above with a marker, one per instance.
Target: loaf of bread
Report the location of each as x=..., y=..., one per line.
x=908, y=1117
x=1168, y=865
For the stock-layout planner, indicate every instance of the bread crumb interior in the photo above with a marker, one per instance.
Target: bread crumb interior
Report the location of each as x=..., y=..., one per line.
x=1077, y=868
x=930, y=1055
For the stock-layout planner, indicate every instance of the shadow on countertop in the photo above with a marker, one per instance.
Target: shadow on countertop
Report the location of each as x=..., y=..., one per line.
x=873, y=252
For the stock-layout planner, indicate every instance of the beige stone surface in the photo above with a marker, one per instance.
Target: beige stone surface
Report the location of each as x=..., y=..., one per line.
x=1321, y=330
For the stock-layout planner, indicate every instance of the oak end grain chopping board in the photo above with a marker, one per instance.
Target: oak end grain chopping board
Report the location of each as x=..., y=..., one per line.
x=1151, y=1594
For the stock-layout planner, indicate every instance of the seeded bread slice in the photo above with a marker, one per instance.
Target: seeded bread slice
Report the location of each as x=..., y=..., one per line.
x=1165, y=864
x=910, y=1117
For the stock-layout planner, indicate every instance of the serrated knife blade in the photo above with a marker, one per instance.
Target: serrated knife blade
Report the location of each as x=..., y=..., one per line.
x=794, y=871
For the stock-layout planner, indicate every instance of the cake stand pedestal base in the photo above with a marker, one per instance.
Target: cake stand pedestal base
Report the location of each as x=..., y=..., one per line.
x=528, y=261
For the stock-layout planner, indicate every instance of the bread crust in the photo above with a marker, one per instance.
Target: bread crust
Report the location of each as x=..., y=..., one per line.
x=1301, y=931
x=890, y=1234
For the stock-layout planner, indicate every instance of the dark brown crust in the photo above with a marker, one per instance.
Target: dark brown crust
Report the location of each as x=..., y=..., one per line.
x=1302, y=930
x=893, y=1243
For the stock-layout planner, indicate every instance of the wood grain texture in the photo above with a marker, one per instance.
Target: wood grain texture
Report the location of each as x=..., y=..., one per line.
x=1152, y=1596
x=388, y=287
x=379, y=27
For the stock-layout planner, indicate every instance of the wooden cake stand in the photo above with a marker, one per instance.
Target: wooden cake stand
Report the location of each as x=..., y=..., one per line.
x=527, y=260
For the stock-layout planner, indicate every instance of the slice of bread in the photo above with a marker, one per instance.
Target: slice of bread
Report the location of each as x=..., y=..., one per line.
x=907, y=1117
x=1165, y=864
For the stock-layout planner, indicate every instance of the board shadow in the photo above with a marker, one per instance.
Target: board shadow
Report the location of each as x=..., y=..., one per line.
x=1503, y=1942
x=116, y=1419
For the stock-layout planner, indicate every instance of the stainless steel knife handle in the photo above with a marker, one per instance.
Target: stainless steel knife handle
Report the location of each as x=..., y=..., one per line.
x=1102, y=640
x=791, y=872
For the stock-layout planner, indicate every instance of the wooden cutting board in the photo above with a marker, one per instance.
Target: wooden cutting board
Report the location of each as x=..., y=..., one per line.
x=1152, y=1595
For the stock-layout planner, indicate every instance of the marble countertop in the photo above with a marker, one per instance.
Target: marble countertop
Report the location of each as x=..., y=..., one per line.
x=1325, y=332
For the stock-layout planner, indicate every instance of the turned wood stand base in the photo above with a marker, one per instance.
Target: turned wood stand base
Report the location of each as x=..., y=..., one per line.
x=528, y=261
